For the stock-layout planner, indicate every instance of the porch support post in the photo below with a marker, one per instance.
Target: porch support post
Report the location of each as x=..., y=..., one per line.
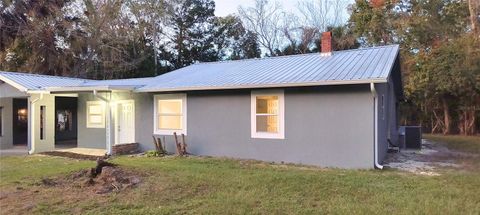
x=108, y=121
x=31, y=138
x=30, y=134
x=108, y=128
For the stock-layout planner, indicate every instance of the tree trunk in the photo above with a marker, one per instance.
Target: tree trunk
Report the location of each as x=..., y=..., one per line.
x=439, y=124
x=446, y=116
x=466, y=122
x=155, y=50
x=470, y=124
x=474, y=121
x=473, y=8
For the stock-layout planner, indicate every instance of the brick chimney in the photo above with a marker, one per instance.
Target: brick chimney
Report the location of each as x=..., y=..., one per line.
x=326, y=44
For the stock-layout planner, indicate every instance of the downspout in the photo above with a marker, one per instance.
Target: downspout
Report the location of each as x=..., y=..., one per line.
x=108, y=121
x=375, y=126
x=31, y=131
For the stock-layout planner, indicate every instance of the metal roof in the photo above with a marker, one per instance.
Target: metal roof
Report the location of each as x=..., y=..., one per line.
x=119, y=82
x=367, y=65
x=31, y=82
x=104, y=85
x=34, y=82
x=342, y=67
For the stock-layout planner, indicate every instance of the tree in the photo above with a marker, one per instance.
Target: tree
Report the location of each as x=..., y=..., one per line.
x=233, y=41
x=373, y=21
x=446, y=79
x=429, y=29
x=265, y=21
x=474, y=9
x=109, y=43
x=30, y=35
x=188, y=32
x=81, y=38
x=151, y=14
x=439, y=57
x=322, y=13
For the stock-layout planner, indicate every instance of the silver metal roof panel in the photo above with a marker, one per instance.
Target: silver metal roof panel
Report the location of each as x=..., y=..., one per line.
x=342, y=67
x=27, y=82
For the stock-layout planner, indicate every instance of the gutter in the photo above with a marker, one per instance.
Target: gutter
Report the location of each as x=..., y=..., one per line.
x=95, y=93
x=260, y=86
x=375, y=126
x=30, y=130
x=92, y=88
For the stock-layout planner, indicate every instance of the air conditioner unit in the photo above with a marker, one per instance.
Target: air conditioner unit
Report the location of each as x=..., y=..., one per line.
x=410, y=137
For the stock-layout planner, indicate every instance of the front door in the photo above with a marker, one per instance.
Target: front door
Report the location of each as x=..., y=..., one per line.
x=125, y=122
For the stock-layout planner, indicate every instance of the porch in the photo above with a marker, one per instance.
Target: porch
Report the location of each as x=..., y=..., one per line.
x=38, y=122
x=83, y=123
x=74, y=152
x=72, y=148
x=78, y=153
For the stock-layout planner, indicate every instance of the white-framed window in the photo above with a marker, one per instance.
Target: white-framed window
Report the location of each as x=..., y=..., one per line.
x=95, y=114
x=170, y=114
x=268, y=114
x=43, y=121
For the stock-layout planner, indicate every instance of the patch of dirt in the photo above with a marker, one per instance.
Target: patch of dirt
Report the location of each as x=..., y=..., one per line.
x=428, y=161
x=71, y=188
x=111, y=179
x=72, y=155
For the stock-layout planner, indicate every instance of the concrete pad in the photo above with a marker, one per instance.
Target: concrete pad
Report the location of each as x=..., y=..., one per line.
x=14, y=151
x=84, y=151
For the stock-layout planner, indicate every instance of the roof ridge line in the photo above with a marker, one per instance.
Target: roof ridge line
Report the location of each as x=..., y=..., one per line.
x=294, y=55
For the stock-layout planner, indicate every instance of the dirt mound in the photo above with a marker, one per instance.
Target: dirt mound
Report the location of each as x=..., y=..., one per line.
x=113, y=179
x=103, y=179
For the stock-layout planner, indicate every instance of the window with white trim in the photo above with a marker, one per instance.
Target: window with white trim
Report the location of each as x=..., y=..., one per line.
x=267, y=114
x=95, y=114
x=43, y=121
x=170, y=114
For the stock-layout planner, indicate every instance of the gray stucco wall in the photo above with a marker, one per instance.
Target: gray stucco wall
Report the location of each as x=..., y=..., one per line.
x=6, y=139
x=324, y=126
x=387, y=118
x=88, y=137
x=96, y=137
x=7, y=93
x=327, y=126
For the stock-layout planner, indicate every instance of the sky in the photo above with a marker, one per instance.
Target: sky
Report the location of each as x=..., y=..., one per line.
x=226, y=7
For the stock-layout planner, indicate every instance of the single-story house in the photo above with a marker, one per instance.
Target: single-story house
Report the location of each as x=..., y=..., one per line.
x=331, y=109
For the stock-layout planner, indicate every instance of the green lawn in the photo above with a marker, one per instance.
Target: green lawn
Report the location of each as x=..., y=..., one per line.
x=224, y=186
x=460, y=143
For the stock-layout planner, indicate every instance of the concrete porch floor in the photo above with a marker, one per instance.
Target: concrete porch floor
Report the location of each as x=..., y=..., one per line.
x=17, y=150
x=84, y=151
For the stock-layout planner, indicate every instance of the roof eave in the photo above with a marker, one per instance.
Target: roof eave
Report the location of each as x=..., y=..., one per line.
x=13, y=83
x=322, y=83
x=91, y=88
